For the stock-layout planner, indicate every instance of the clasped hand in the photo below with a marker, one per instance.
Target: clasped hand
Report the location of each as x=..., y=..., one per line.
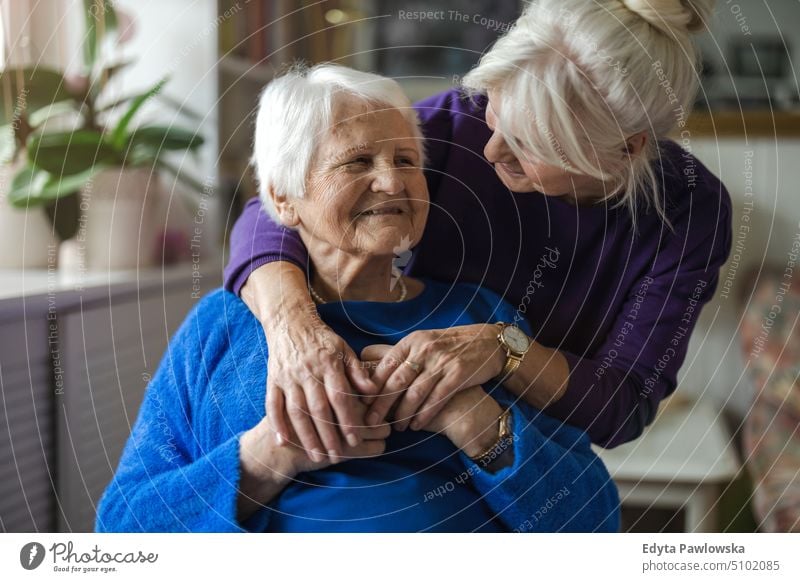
x=325, y=401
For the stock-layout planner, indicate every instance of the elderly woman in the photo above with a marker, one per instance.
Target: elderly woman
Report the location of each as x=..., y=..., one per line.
x=202, y=455
x=554, y=183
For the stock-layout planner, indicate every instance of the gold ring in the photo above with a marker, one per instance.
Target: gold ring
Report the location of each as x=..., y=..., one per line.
x=414, y=366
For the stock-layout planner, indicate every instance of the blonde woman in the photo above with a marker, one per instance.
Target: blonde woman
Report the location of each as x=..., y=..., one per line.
x=553, y=183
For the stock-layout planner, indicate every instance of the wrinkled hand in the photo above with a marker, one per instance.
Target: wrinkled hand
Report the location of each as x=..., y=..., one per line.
x=449, y=360
x=470, y=419
x=371, y=443
x=313, y=383
x=267, y=466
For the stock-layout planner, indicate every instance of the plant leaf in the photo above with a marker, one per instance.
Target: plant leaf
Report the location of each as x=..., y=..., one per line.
x=71, y=152
x=98, y=81
x=161, y=138
x=38, y=117
x=179, y=107
x=30, y=89
x=93, y=11
x=33, y=186
x=120, y=130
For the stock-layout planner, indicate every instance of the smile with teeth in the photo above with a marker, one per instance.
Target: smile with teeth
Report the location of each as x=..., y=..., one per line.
x=381, y=212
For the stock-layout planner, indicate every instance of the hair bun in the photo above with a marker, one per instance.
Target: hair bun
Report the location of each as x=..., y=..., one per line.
x=673, y=16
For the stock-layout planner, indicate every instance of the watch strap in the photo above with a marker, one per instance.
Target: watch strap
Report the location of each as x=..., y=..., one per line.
x=505, y=440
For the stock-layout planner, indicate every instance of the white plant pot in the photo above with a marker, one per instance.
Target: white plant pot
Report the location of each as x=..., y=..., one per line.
x=26, y=237
x=118, y=223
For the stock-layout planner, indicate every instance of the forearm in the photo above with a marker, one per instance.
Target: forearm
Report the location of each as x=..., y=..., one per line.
x=552, y=465
x=476, y=429
x=613, y=408
x=541, y=378
x=151, y=494
x=264, y=471
x=257, y=240
x=275, y=290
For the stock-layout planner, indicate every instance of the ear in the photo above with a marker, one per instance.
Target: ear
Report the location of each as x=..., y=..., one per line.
x=635, y=144
x=284, y=208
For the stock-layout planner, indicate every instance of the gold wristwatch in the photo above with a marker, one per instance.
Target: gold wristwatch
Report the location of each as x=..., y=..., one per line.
x=504, y=440
x=516, y=345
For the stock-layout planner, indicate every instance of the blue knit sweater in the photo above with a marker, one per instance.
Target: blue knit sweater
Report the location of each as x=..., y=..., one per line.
x=179, y=470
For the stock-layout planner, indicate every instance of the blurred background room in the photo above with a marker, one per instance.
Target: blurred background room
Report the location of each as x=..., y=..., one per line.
x=125, y=140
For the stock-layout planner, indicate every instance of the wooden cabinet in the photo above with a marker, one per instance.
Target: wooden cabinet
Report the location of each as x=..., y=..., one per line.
x=74, y=363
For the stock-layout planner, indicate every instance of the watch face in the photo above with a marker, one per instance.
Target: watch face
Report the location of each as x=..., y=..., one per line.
x=516, y=339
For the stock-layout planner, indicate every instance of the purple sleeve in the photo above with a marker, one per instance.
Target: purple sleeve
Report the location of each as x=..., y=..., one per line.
x=614, y=394
x=256, y=240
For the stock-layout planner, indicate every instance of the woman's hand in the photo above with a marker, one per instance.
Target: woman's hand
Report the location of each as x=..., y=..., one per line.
x=470, y=419
x=428, y=368
x=268, y=463
x=313, y=375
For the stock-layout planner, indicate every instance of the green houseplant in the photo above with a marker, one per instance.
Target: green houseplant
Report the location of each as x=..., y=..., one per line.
x=60, y=132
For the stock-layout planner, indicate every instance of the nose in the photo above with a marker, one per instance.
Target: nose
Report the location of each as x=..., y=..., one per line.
x=497, y=150
x=387, y=180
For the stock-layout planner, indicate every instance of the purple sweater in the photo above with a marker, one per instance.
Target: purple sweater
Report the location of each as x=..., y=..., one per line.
x=619, y=305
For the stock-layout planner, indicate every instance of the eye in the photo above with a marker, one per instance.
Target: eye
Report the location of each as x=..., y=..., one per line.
x=519, y=144
x=406, y=161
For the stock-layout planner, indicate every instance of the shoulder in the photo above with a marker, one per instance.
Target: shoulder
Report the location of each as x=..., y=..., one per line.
x=443, y=111
x=697, y=205
x=213, y=323
x=689, y=185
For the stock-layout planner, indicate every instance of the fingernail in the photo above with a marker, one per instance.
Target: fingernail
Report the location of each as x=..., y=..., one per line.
x=373, y=418
x=415, y=425
x=352, y=440
x=316, y=455
x=401, y=426
x=333, y=455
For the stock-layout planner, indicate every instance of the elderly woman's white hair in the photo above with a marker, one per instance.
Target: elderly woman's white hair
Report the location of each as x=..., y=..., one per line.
x=296, y=109
x=576, y=78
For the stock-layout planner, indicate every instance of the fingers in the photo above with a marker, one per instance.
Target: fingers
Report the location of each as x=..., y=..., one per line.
x=432, y=406
x=323, y=420
x=390, y=362
x=358, y=374
x=394, y=375
x=371, y=448
x=343, y=403
x=297, y=409
x=375, y=352
x=381, y=406
x=276, y=410
x=380, y=432
x=415, y=396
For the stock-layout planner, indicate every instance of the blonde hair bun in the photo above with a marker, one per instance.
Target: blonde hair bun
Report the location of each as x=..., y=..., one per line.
x=673, y=16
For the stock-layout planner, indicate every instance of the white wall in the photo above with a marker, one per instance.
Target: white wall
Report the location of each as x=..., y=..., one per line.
x=178, y=38
x=715, y=363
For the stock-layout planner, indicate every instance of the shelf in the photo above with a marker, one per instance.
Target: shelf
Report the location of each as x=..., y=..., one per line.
x=746, y=123
x=34, y=288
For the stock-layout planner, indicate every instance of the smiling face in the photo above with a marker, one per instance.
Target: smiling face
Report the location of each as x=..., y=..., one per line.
x=366, y=193
x=527, y=174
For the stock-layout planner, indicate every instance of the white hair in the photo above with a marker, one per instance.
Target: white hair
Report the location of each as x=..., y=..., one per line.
x=576, y=78
x=296, y=109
